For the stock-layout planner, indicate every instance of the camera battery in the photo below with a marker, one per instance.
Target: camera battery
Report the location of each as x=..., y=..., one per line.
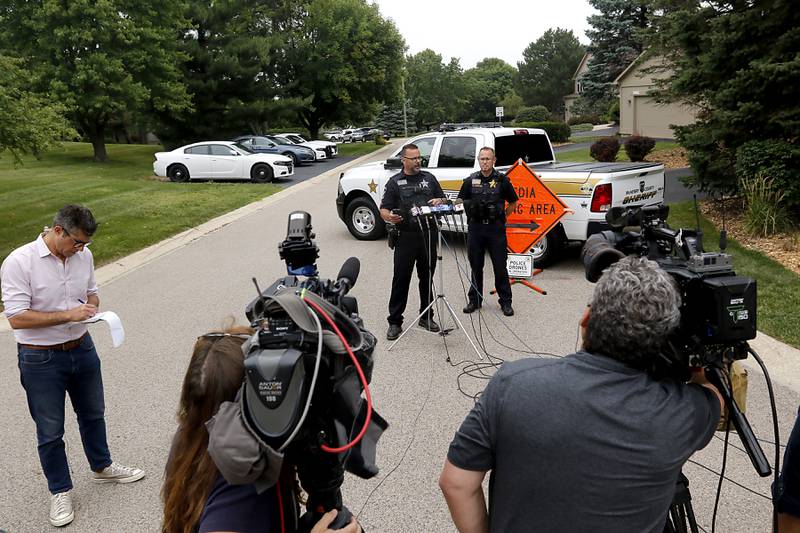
x=728, y=308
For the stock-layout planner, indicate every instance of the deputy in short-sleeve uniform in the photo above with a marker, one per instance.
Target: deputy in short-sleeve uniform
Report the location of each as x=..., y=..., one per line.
x=415, y=244
x=485, y=194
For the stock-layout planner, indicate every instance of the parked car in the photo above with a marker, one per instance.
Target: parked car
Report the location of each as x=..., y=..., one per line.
x=284, y=142
x=331, y=150
x=378, y=131
x=221, y=160
x=363, y=135
x=334, y=136
x=347, y=135
x=260, y=144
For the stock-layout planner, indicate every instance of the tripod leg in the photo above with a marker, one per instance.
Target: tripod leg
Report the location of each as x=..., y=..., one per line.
x=423, y=313
x=461, y=326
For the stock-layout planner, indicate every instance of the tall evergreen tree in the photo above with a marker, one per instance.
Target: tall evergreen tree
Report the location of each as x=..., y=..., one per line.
x=739, y=62
x=546, y=69
x=617, y=39
x=98, y=59
x=230, y=52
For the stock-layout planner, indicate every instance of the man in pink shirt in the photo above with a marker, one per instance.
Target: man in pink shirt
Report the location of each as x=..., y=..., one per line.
x=48, y=288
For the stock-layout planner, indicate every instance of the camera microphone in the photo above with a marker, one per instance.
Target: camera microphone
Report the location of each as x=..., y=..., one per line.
x=348, y=274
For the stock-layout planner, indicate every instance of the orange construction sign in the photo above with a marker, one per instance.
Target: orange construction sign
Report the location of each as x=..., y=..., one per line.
x=538, y=209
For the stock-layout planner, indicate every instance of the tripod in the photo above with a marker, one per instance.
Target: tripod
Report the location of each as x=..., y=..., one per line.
x=680, y=518
x=440, y=296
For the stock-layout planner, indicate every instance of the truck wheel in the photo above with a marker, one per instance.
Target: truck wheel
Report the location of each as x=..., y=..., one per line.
x=546, y=250
x=364, y=220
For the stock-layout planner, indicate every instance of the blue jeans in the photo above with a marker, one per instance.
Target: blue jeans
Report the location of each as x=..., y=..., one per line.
x=46, y=375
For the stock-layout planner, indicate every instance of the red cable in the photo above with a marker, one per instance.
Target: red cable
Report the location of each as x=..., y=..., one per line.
x=361, y=376
x=280, y=505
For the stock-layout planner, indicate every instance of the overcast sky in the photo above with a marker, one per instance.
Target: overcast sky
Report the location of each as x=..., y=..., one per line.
x=472, y=30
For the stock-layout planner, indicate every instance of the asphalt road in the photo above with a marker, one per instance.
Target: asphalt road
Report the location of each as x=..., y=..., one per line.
x=167, y=302
x=308, y=171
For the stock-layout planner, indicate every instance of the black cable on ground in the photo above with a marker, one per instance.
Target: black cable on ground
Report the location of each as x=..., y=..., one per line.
x=775, y=430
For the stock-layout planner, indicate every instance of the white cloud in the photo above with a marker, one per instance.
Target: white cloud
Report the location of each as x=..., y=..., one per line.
x=472, y=30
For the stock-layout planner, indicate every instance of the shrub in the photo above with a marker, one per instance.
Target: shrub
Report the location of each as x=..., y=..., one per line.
x=774, y=159
x=558, y=132
x=380, y=141
x=605, y=149
x=613, y=112
x=585, y=119
x=765, y=211
x=537, y=113
x=637, y=147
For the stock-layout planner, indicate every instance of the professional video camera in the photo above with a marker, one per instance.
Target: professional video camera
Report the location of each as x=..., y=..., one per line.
x=305, y=370
x=718, y=311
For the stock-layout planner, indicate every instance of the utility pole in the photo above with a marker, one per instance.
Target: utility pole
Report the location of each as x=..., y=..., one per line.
x=405, y=119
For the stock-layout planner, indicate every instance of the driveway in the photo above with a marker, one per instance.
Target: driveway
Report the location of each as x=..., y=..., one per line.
x=421, y=387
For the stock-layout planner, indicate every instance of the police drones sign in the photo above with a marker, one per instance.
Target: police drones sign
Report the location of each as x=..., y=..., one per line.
x=538, y=209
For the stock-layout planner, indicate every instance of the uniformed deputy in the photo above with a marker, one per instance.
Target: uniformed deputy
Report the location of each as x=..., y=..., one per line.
x=485, y=193
x=416, y=242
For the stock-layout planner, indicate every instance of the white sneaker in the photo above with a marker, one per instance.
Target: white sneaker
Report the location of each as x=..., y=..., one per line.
x=61, y=512
x=116, y=473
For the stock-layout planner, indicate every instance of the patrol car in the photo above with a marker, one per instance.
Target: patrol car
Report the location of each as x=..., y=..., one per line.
x=589, y=189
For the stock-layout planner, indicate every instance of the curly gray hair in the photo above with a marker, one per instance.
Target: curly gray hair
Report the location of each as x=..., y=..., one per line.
x=635, y=306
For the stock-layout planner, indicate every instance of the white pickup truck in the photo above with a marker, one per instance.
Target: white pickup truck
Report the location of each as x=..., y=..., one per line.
x=590, y=189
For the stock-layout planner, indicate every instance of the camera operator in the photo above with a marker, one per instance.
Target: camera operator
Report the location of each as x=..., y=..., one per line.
x=485, y=193
x=196, y=497
x=591, y=441
x=406, y=189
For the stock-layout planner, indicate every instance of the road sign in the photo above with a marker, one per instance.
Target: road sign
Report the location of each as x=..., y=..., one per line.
x=498, y=111
x=538, y=209
x=519, y=265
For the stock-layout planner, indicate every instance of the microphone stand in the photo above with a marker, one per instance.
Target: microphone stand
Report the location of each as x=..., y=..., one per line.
x=439, y=295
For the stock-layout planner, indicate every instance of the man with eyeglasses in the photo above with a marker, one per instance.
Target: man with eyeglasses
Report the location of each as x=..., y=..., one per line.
x=416, y=243
x=48, y=289
x=485, y=194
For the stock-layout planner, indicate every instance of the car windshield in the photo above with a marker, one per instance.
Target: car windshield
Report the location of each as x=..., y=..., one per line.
x=242, y=148
x=281, y=140
x=296, y=138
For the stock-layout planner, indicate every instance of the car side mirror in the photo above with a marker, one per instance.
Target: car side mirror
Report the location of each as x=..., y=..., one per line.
x=234, y=152
x=393, y=162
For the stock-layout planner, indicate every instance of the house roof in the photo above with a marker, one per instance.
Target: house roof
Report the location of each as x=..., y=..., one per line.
x=586, y=57
x=629, y=68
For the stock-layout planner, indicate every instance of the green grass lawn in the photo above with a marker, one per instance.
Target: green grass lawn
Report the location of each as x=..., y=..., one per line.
x=133, y=207
x=358, y=148
x=778, y=287
x=580, y=155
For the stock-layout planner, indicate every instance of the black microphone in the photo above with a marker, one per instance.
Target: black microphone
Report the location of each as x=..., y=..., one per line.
x=348, y=274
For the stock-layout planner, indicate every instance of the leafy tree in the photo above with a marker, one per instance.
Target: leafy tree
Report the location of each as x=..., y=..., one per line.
x=546, y=69
x=488, y=83
x=98, y=58
x=512, y=103
x=29, y=123
x=341, y=59
x=229, y=51
x=437, y=90
x=617, y=39
x=739, y=63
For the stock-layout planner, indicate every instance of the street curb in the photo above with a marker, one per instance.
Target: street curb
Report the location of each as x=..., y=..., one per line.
x=121, y=267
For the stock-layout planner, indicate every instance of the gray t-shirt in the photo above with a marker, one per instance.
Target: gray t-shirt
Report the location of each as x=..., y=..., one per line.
x=582, y=443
